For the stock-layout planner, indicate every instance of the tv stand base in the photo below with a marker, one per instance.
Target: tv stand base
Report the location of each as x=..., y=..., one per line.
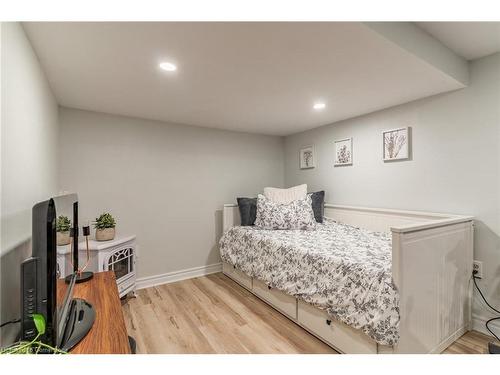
x=80, y=320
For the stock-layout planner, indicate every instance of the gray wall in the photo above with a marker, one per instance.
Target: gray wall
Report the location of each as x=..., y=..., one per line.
x=166, y=183
x=454, y=169
x=29, y=138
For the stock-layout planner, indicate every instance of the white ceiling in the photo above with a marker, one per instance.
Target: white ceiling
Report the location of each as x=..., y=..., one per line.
x=252, y=77
x=471, y=40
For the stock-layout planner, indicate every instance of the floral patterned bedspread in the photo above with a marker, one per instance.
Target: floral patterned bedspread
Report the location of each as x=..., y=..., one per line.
x=339, y=268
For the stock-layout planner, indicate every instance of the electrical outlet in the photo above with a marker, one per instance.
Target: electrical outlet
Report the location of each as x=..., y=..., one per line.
x=478, y=267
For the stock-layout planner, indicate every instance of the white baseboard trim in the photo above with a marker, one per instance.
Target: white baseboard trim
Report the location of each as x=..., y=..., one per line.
x=170, y=277
x=479, y=324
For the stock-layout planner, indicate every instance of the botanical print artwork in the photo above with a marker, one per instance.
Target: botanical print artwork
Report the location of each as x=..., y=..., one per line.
x=306, y=156
x=396, y=144
x=336, y=267
x=343, y=152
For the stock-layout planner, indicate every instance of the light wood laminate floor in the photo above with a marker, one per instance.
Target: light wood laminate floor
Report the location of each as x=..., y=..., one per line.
x=213, y=314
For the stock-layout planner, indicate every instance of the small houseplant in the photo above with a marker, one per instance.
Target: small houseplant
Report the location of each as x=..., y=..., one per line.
x=63, y=225
x=35, y=346
x=104, y=227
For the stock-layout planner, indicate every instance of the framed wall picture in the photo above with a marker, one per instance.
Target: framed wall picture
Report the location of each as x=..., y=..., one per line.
x=343, y=152
x=396, y=144
x=307, y=158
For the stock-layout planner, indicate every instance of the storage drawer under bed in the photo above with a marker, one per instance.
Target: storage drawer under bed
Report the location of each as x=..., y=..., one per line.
x=238, y=276
x=283, y=302
x=316, y=321
x=339, y=335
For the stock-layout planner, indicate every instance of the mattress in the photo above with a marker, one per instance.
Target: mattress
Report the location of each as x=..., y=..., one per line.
x=336, y=267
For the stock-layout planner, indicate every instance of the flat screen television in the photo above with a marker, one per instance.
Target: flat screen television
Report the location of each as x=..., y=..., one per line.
x=42, y=291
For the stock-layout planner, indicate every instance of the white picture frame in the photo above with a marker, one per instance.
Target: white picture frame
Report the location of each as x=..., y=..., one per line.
x=343, y=152
x=396, y=144
x=307, y=157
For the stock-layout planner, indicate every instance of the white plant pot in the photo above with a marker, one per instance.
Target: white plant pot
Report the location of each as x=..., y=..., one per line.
x=106, y=234
x=62, y=238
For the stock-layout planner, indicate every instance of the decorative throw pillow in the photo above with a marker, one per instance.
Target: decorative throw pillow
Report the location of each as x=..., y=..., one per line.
x=297, y=214
x=318, y=205
x=248, y=210
x=286, y=195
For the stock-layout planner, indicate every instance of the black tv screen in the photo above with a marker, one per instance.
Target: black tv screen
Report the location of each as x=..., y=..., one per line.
x=44, y=254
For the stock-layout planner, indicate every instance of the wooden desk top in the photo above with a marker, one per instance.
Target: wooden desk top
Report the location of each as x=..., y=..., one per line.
x=108, y=335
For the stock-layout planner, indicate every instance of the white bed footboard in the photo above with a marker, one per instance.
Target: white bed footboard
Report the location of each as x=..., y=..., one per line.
x=432, y=270
x=432, y=256
x=230, y=217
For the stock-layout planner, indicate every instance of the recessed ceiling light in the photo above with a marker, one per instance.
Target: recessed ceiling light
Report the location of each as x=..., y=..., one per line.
x=319, y=106
x=168, y=66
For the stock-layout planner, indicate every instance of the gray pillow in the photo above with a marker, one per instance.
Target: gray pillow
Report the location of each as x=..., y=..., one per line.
x=318, y=205
x=248, y=210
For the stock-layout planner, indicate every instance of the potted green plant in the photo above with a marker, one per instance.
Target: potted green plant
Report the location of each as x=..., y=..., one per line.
x=34, y=346
x=63, y=225
x=104, y=227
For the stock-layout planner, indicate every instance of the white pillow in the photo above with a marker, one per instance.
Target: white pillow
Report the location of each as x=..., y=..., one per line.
x=297, y=214
x=286, y=196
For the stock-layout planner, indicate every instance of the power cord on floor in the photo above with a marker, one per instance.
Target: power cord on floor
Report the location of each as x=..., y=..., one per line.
x=10, y=322
x=474, y=277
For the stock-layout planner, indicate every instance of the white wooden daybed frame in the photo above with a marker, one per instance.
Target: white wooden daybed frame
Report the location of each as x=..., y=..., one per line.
x=432, y=256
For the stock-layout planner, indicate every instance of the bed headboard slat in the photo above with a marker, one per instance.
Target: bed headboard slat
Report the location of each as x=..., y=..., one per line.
x=376, y=219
